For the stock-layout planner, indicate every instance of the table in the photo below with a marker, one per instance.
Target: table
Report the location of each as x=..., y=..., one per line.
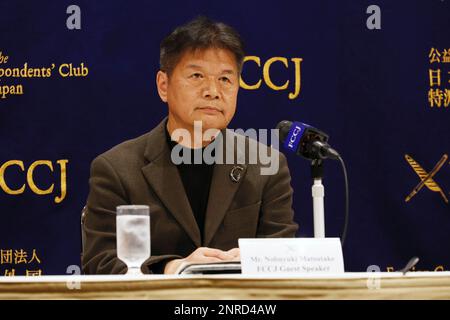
x=416, y=285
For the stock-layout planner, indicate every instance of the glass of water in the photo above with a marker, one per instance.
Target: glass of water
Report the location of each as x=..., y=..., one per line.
x=133, y=236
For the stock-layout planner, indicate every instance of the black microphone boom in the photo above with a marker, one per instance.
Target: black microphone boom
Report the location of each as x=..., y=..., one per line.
x=305, y=140
x=312, y=144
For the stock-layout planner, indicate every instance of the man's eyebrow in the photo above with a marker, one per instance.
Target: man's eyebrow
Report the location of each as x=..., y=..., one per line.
x=196, y=66
x=228, y=71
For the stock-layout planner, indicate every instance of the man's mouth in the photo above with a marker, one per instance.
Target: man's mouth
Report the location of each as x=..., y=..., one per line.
x=210, y=109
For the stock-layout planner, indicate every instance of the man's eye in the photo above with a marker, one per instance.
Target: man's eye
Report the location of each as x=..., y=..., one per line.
x=225, y=79
x=196, y=75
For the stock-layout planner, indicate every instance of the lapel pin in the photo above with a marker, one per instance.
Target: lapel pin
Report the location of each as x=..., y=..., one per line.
x=236, y=173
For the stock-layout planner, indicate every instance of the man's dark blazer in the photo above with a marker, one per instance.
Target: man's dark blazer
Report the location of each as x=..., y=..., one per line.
x=140, y=171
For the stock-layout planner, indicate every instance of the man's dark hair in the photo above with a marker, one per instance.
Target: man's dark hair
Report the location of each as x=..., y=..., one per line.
x=200, y=33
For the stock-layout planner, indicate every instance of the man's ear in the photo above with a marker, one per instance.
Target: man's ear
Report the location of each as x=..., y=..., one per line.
x=162, y=82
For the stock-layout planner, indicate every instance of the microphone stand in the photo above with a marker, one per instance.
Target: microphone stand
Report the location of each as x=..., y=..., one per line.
x=318, y=194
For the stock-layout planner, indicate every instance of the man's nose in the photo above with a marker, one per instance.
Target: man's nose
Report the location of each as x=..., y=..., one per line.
x=211, y=90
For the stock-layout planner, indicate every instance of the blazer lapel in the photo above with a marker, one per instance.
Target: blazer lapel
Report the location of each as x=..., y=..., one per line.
x=222, y=189
x=165, y=180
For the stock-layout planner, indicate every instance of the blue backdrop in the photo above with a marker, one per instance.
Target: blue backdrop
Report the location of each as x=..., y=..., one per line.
x=368, y=89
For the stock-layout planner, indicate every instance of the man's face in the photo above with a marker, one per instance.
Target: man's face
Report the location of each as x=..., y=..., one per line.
x=202, y=87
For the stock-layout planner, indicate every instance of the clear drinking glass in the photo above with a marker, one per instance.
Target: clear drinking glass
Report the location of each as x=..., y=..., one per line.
x=133, y=236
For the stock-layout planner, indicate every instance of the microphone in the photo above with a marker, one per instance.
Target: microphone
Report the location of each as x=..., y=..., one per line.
x=312, y=144
x=306, y=141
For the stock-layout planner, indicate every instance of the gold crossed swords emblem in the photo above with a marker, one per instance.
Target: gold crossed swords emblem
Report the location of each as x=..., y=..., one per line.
x=426, y=179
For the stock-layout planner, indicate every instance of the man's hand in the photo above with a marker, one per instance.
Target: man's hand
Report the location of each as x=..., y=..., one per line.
x=236, y=253
x=203, y=255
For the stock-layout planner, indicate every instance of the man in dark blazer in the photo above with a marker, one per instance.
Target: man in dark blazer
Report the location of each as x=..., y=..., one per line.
x=198, y=211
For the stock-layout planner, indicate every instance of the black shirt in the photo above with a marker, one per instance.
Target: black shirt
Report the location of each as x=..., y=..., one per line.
x=196, y=180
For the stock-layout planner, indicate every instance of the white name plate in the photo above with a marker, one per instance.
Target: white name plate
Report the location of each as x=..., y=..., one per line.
x=291, y=255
